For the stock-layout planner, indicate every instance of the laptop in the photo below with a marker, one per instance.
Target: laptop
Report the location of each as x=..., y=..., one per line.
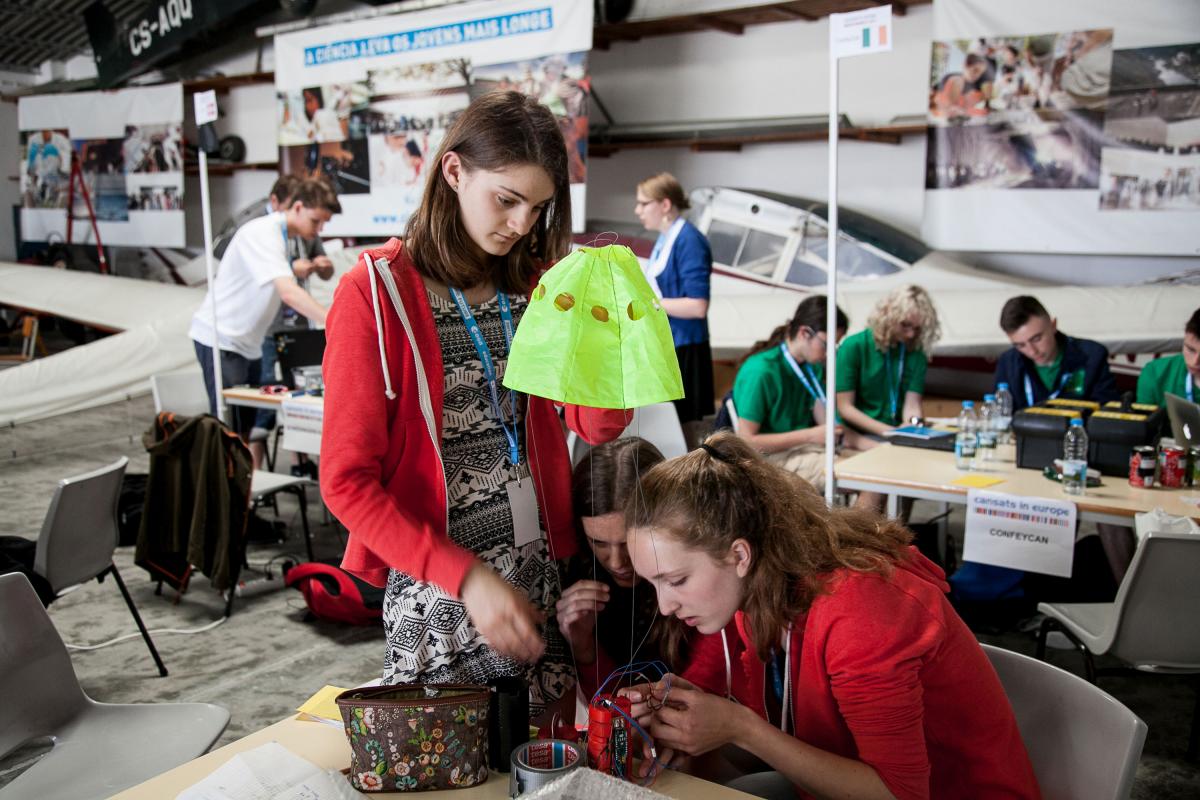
x=297, y=348
x=1185, y=420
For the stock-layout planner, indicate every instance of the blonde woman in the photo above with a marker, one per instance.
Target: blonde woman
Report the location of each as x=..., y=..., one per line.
x=881, y=369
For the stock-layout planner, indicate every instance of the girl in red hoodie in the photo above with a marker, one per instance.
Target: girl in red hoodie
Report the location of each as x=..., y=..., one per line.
x=456, y=491
x=862, y=681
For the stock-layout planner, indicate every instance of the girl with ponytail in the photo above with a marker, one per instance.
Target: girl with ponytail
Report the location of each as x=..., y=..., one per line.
x=861, y=680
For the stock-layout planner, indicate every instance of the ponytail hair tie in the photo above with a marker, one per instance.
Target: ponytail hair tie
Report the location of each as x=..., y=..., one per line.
x=715, y=453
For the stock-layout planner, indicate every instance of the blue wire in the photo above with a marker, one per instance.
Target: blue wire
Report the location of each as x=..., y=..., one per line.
x=653, y=750
x=633, y=669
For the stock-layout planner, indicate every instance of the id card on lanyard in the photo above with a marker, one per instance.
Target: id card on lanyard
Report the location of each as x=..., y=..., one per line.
x=894, y=391
x=521, y=498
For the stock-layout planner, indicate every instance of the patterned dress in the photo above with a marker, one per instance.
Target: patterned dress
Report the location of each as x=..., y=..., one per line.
x=429, y=636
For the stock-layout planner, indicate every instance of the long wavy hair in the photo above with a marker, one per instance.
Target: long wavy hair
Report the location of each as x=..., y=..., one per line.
x=810, y=313
x=885, y=319
x=796, y=541
x=498, y=130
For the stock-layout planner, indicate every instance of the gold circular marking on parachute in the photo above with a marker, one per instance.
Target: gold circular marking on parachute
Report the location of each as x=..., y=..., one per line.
x=600, y=313
x=539, y=292
x=564, y=302
x=634, y=310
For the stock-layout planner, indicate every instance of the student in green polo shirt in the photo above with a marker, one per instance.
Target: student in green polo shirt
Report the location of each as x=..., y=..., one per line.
x=1177, y=374
x=779, y=392
x=881, y=370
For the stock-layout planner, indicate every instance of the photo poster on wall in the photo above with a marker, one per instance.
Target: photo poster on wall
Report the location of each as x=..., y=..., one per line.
x=366, y=104
x=128, y=145
x=1068, y=127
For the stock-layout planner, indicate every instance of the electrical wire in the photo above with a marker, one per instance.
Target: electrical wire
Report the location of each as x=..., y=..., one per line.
x=110, y=642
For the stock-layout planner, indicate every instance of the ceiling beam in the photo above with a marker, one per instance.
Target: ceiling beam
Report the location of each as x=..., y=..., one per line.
x=791, y=12
x=719, y=23
x=899, y=9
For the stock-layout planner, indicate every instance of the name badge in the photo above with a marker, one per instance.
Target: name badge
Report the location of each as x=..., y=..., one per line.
x=523, y=502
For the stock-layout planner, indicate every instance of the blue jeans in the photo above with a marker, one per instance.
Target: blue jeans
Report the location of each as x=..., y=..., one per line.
x=266, y=419
x=236, y=370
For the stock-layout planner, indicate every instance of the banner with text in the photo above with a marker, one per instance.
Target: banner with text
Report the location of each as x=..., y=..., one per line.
x=1029, y=533
x=366, y=104
x=129, y=148
x=1065, y=127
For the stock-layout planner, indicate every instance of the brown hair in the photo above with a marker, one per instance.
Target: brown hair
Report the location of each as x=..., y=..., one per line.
x=706, y=501
x=316, y=193
x=1019, y=310
x=664, y=186
x=283, y=189
x=810, y=313
x=498, y=130
x=608, y=474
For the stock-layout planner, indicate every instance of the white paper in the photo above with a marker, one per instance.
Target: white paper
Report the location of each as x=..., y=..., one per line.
x=206, y=106
x=270, y=772
x=302, y=423
x=1029, y=533
x=523, y=502
x=860, y=32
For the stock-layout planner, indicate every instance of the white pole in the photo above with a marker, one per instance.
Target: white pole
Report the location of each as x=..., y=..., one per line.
x=831, y=286
x=209, y=269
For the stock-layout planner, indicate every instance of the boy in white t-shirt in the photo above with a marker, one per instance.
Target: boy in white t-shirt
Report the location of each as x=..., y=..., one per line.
x=254, y=277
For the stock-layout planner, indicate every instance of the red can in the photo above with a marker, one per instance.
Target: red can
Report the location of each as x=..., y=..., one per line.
x=1142, y=463
x=1172, y=462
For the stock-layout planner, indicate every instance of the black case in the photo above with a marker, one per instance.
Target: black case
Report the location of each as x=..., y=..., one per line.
x=1110, y=440
x=1039, y=438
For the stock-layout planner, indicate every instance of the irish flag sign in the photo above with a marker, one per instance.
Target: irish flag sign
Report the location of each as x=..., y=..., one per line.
x=860, y=32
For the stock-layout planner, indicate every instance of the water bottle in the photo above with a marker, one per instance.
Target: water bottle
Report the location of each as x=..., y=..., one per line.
x=1004, y=412
x=965, y=440
x=1075, y=455
x=985, y=446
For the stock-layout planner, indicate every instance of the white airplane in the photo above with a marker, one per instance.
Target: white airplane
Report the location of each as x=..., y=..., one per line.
x=769, y=252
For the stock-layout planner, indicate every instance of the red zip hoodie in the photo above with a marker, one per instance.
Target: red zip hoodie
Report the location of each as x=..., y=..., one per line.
x=381, y=467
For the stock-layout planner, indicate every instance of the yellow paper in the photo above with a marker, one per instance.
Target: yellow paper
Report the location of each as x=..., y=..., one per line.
x=322, y=704
x=976, y=481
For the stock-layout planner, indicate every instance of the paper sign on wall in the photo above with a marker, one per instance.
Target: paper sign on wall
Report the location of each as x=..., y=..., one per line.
x=206, y=106
x=1029, y=533
x=860, y=32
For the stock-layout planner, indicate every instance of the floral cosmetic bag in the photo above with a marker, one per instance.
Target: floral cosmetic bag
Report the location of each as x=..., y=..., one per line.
x=416, y=737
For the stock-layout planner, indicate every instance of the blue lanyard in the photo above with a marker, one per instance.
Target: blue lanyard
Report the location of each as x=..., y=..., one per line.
x=1189, y=390
x=489, y=368
x=283, y=229
x=807, y=379
x=894, y=391
x=1066, y=378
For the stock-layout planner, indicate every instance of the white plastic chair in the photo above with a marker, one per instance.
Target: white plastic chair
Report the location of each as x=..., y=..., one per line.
x=1082, y=742
x=79, y=535
x=1152, y=623
x=99, y=748
x=658, y=424
x=182, y=392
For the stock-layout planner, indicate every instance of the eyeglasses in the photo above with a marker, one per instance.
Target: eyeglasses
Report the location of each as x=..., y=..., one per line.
x=908, y=327
x=641, y=203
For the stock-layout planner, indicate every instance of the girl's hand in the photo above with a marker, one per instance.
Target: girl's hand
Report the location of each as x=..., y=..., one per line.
x=504, y=616
x=577, y=610
x=694, y=721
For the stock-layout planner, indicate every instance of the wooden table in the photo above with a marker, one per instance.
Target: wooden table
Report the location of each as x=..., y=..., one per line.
x=304, y=434
x=929, y=475
x=326, y=746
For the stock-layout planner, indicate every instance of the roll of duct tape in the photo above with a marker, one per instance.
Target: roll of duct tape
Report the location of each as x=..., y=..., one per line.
x=536, y=763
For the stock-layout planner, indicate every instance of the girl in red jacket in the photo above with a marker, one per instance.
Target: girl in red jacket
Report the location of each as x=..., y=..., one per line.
x=861, y=679
x=456, y=492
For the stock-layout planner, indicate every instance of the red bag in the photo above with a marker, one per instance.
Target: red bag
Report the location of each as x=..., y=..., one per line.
x=335, y=595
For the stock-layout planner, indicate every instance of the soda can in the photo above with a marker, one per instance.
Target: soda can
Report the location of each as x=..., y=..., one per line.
x=1193, y=473
x=1172, y=463
x=1142, y=464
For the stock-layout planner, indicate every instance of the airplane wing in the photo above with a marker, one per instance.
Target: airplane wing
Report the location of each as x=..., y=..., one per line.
x=1126, y=319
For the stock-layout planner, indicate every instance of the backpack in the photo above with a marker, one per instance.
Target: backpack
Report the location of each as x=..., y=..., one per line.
x=334, y=595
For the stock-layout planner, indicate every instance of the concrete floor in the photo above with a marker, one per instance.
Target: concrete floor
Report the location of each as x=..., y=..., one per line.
x=267, y=658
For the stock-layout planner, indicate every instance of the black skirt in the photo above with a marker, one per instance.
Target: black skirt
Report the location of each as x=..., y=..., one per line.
x=696, y=367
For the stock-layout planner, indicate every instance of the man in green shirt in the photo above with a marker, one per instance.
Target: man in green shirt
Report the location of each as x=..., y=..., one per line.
x=1177, y=374
x=881, y=370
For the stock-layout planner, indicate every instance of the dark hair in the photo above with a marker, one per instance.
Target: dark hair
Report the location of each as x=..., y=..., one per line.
x=1193, y=324
x=316, y=193
x=498, y=130
x=413, y=148
x=810, y=313
x=975, y=58
x=316, y=92
x=283, y=189
x=604, y=479
x=712, y=496
x=1019, y=310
